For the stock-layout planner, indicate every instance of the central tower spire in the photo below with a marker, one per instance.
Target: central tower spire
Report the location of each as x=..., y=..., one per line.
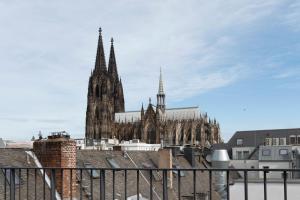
x=161, y=95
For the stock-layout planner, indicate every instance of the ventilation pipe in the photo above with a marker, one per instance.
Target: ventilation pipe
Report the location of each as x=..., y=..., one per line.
x=220, y=160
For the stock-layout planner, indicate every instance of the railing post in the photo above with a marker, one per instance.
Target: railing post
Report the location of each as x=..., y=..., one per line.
x=179, y=184
x=113, y=173
x=12, y=184
x=284, y=184
x=227, y=185
x=138, y=184
x=125, y=184
x=194, y=184
x=151, y=185
x=91, y=185
x=102, y=184
x=165, y=184
x=53, y=182
x=246, y=184
x=80, y=184
x=210, y=184
x=265, y=185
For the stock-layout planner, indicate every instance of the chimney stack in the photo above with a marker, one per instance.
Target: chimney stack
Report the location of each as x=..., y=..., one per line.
x=166, y=161
x=58, y=151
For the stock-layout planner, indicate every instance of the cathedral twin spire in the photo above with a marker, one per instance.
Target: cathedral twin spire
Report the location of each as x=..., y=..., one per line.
x=100, y=64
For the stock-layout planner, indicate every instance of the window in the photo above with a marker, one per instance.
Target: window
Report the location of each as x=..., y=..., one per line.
x=292, y=139
x=93, y=173
x=275, y=141
x=246, y=154
x=239, y=155
x=239, y=142
x=7, y=174
x=298, y=139
x=283, y=152
x=268, y=141
x=282, y=141
x=266, y=152
x=113, y=163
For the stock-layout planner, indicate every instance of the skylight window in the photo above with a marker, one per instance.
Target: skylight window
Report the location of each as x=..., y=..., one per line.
x=7, y=175
x=113, y=163
x=95, y=173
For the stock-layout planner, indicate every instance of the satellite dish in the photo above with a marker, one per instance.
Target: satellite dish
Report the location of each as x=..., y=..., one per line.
x=208, y=158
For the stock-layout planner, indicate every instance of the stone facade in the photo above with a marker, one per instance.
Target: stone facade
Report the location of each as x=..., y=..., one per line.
x=105, y=95
x=58, y=151
x=106, y=116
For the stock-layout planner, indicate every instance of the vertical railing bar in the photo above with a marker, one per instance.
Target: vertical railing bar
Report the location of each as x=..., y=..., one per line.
x=44, y=184
x=91, y=184
x=210, y=185
x=179, y=185
x=80, y=184
x=151, y=184
x=165, y=184
x=62, y=183
x=227, y=185
x=12, y=184
x=284, y=182
x=5, y=174
x=125, y=184
x=113, y=184
x=27, y=183
x=102, y=184
x=194, y=183
x=265, y=185
x=138, y=184
x=246, y=184
x=20, y=183
x=71, y=184
x=53, y=183
x=35, y=178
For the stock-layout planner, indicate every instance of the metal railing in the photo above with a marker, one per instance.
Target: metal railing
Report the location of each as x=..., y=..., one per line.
x=43, y=183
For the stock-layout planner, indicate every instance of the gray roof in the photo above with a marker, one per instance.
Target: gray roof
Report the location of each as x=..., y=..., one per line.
x=257, y=137
x=170, y=113
x=19, y=158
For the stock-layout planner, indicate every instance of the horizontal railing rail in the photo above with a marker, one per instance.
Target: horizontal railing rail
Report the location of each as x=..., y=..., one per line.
x=80, y=183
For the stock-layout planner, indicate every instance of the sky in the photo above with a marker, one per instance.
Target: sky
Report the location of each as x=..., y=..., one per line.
x=238, y=60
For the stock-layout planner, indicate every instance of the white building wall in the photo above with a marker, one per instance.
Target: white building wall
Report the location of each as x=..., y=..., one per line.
x=274, y=165
x=256, y=191
x=246, y=164
x=241, y=149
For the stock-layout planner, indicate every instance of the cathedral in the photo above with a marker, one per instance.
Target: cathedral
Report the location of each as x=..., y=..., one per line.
x=106, y=116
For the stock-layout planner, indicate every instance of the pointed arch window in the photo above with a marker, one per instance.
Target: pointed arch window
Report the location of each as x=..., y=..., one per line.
x=97, y=113
x=97, y=91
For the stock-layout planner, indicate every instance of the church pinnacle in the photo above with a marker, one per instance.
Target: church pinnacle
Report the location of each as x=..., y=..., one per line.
x=161, y=86
x=161, y=95
x=100, y=64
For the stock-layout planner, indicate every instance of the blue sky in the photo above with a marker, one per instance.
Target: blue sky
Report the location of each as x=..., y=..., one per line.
x=237, y=60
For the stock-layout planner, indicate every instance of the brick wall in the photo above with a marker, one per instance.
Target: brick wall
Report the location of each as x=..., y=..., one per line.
x=59, y=152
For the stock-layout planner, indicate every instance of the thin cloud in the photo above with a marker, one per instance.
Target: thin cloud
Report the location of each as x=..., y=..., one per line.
x=48, y=49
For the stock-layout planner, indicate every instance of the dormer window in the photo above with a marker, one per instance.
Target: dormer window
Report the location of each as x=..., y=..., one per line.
x=292, y=139
x=239, y=142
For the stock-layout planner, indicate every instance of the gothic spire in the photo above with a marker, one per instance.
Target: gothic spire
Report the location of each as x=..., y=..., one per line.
x=112, y=65
x=161, y=95
x=100, y=57
x=161, y=86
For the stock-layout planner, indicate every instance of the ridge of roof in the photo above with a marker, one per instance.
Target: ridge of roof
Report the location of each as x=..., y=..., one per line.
x=177, y=108
x=263, y=130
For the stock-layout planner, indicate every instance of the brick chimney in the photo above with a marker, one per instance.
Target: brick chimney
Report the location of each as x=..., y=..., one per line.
x=58, y=150
x=165, y=161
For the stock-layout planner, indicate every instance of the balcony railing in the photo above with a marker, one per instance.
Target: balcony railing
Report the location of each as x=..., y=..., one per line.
x=19, y=183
